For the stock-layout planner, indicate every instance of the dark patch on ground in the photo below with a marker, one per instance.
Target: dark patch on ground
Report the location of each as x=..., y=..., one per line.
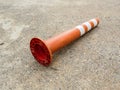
x=1, y=43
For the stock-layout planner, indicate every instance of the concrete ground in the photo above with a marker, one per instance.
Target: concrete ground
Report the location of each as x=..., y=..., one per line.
x=90, y=63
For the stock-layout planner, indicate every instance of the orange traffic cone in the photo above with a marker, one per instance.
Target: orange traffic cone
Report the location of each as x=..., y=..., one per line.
x=43, y=50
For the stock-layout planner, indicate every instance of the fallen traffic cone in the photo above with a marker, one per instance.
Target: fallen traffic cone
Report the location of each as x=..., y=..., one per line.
x=43, y=50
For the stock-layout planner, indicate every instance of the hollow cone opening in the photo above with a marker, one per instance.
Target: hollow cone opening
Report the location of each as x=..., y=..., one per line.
x=40, y=51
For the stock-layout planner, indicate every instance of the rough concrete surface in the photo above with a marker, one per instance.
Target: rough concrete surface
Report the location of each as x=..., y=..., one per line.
x=90, y=63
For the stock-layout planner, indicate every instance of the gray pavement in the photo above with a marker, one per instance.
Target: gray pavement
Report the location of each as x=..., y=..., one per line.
x=90, y=63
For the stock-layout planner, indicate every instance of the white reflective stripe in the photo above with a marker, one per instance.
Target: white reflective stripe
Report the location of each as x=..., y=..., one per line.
x=88, y=25
x=82, y=30
x=94, y=21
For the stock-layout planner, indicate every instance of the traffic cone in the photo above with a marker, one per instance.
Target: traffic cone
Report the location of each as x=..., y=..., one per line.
x=42, y=50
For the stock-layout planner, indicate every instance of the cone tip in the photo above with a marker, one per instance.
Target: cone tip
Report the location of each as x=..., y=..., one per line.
x=98, y=20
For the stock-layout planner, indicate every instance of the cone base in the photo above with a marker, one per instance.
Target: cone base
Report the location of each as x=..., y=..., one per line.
x=40, y=51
